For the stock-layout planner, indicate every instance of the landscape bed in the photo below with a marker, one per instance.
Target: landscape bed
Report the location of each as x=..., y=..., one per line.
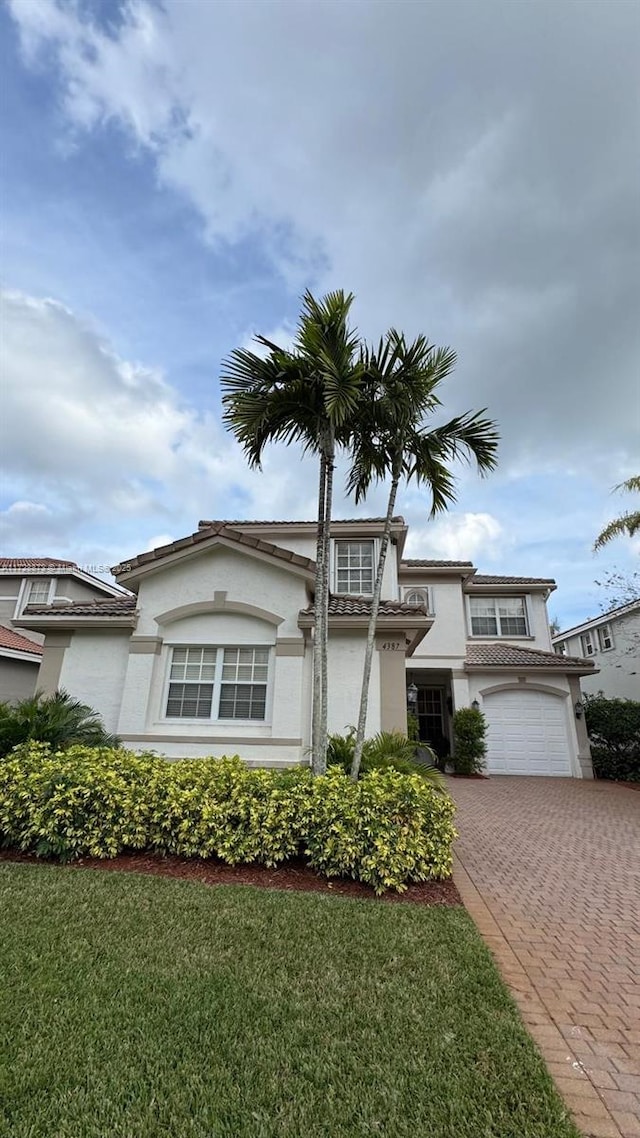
x=138, y=1005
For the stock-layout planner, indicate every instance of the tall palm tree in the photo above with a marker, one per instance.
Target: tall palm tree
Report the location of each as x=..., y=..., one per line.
x=628, y=523
x=401, y=383
x=307, y=394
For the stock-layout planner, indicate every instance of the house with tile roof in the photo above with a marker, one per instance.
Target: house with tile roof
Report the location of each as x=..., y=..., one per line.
x=210, y=649
x=612, y=641
x=46, y=581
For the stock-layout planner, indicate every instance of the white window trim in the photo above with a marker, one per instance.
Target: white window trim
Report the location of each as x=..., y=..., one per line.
x=427, y=592
x=24, y=592
x=217, y=683
x=590, y=637
x=600, y=635
x=495, y=597
x=375, y=542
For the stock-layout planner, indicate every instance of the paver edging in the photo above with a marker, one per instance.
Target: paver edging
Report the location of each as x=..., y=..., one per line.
x=582, y=1097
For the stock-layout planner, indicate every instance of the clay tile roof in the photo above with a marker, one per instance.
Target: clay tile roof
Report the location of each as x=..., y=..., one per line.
x=398, y=520
x=344, y=605
x=20, y=563
x=492, y=579
x=429, y=563
x=110, y=606
x=18, y=643
x=222, y=529
x=513, y=656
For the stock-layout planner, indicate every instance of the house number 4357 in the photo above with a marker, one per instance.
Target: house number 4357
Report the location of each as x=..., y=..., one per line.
x=391, y=645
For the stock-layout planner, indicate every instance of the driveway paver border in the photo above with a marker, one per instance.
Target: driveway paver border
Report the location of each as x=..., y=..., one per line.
x=573, y=1081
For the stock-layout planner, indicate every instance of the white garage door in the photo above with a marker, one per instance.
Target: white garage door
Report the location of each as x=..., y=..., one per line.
x=527, y=733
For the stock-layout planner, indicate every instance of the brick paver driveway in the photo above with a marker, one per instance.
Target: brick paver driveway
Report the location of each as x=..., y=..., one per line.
x=551, y=873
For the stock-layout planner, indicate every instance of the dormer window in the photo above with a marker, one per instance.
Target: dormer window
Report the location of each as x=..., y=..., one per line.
x=418, y=598
x=354, y=567
x=38, y=591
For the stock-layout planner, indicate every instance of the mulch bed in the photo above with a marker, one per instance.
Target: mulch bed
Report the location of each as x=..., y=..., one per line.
x=294, y=875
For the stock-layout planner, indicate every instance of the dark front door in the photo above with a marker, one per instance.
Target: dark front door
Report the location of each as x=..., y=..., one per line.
x=431, y=719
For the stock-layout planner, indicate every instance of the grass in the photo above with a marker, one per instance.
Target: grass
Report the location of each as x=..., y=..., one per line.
x=141, y=1007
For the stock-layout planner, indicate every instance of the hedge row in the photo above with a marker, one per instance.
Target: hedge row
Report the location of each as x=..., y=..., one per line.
x=614, y=733
x=386, y=830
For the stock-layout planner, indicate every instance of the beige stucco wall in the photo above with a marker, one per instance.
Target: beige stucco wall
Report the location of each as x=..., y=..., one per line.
x=93, y=670
x=17, y=679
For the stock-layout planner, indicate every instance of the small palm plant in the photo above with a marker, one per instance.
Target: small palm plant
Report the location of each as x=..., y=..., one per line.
x=59, y=719
x=388, y=750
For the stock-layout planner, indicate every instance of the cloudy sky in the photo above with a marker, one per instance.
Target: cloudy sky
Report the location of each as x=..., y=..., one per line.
x=175, y=174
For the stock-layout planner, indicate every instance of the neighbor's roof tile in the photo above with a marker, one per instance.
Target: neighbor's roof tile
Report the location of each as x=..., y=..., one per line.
x=429, y=563
x=498, y=579
x=397, y=520
x=18, y=643
x=20, y=563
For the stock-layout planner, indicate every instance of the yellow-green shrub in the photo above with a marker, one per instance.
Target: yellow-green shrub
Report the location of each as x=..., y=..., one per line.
x=386, y=830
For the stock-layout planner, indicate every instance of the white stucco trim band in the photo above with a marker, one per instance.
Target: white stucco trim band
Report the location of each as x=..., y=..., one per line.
x=215, y=740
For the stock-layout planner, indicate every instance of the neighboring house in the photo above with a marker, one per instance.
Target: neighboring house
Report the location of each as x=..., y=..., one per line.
x=612, y=641
x=20, y=659
x=213, y=653
x=43, y=581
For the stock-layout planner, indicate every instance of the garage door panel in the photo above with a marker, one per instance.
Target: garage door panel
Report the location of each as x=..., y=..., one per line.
x=527, y=733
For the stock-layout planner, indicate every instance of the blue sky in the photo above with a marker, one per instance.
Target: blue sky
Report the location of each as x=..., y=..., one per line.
x=169, y=186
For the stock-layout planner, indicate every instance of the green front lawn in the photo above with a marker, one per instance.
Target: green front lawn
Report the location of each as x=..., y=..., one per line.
x=140, y=1007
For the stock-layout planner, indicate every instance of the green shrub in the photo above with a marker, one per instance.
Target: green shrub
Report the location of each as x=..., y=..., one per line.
x=469, y=746
x=58, y=719
x=388, y=750
x=385, y=830
x=614, y=733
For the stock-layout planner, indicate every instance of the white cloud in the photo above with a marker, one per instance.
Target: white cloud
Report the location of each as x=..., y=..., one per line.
x=89, y=439
x=479, y=182
x=458, y=537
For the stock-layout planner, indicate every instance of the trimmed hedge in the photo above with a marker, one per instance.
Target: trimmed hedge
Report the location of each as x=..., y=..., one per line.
x=386, y=830
x=614, y=734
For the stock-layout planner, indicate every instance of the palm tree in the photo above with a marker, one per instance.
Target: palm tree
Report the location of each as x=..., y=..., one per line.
x=401, y=383
x=628, y=523
x=58, y=719
x=308, y=394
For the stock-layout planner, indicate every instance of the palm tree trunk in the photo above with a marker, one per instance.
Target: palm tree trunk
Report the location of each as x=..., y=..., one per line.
x=316, y=721
x=326, y=560
x=371, y=630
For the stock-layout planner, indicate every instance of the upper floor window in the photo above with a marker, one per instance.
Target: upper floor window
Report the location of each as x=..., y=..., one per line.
x=498, y=616
x=560, y=649
x=587, y=644
x=354, y=567
x=418, y=598
x=605, y=637
x=38, y=591
x=218, y=683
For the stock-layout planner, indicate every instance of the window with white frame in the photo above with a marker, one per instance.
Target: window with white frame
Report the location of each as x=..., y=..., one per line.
x=587, y=644
x=418, y=598
x=354, y=567
x=605, y=637
x=498, y=616
x=38, y=591
x=218, y=683
x=560, y=649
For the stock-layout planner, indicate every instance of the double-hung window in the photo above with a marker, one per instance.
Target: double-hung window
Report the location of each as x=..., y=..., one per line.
x=38, y=591
x=498, y=616
x=605, y=637
x=354, y=567
x=587, y=644
x=217, y=683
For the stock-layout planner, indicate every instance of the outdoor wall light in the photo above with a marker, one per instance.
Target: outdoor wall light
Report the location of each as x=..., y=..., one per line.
x=475, y=705
x=578, y=707
x=412, y=695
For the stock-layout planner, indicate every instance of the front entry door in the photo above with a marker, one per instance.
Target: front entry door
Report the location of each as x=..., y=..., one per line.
x=430, y=711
